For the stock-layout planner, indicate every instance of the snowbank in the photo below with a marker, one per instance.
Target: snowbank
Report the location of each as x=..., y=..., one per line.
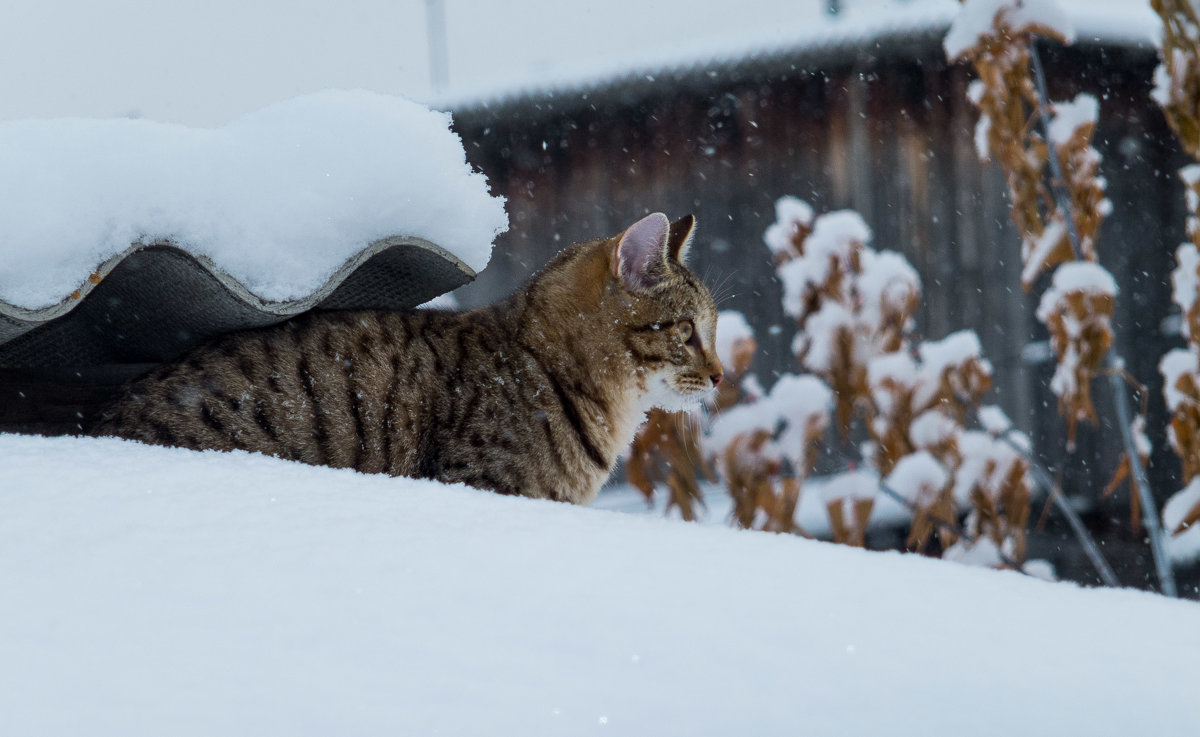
x=279, y=199
x=159, y=591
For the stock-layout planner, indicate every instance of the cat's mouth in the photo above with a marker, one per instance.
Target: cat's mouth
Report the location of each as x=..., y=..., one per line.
x=676, y=396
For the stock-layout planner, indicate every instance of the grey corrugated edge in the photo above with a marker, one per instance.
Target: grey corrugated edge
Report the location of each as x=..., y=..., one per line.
x=283, y=308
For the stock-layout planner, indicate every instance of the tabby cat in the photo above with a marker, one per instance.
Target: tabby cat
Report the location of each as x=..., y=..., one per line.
x=535, y=395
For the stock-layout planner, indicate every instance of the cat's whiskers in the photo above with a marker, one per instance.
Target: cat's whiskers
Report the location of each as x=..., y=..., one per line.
x=723, y=289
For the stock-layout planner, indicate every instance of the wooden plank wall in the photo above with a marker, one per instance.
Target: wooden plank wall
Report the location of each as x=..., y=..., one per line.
x=890, y=137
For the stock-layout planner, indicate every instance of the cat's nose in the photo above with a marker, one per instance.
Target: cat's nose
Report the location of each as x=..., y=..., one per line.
x=716, y=378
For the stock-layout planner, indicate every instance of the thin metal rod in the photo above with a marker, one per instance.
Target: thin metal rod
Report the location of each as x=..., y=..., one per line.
x=1061, y=196
x=435, y=27
x=1158, y=547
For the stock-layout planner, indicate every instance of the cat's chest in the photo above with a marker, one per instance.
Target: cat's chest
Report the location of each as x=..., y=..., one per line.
x=620, y=426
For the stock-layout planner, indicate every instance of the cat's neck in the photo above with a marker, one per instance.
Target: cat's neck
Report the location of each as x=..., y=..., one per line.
x=556, y=318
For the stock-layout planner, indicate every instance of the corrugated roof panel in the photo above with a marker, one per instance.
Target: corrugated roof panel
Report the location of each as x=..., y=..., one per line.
x=154, y=302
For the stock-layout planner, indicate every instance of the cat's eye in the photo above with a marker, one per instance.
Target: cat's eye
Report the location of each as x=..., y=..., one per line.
x=687, y=331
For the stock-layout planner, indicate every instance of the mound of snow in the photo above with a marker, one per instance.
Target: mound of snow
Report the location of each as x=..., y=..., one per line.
x=279, y=199
x=158, y=591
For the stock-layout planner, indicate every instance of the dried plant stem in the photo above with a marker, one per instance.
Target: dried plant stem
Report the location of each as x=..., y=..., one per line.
x=951, y=527
x=1063, y=505
x=1062, y=198
x=1162, y=562
x=948, y=525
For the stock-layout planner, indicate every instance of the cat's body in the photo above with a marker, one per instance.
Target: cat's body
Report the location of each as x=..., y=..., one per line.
x=535, y=395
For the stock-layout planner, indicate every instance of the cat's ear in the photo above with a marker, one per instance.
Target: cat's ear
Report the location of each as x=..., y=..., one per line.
x=679, y=241
x=641, y=258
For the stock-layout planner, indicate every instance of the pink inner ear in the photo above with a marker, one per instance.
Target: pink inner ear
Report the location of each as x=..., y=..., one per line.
x=643, y=251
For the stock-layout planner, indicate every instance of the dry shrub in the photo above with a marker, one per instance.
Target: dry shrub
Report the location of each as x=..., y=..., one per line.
x=1177, y=91
x=850, y=303
x=666, y=451
x=1180, y=369
x=764, y=450
x=1182, y=390
x=909, y=404
x=853, y=307
x=996, y=480
x=1007, y=97
x=1177, y=80
x=849, y=505
x=1078, y=316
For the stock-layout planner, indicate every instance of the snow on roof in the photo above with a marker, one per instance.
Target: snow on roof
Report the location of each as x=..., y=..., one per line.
x=278, y=199
x=805, y=33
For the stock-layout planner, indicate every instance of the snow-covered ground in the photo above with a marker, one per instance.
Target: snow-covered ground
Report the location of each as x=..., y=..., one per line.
x=160, y=591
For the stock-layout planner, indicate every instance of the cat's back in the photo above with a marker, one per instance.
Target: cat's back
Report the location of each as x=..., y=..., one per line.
x=337, y=389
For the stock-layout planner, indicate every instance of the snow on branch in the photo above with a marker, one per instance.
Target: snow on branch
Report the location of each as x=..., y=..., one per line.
x=1180, y=369
x=793, y=223
x=1177, y=91
x=849, y=499
x=850, y=301
x=983, y=22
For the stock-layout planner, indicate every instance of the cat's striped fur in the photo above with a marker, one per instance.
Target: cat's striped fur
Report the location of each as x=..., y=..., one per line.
x=535, y=395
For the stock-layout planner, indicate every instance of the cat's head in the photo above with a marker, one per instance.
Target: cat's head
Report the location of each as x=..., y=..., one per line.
x=667, y=316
